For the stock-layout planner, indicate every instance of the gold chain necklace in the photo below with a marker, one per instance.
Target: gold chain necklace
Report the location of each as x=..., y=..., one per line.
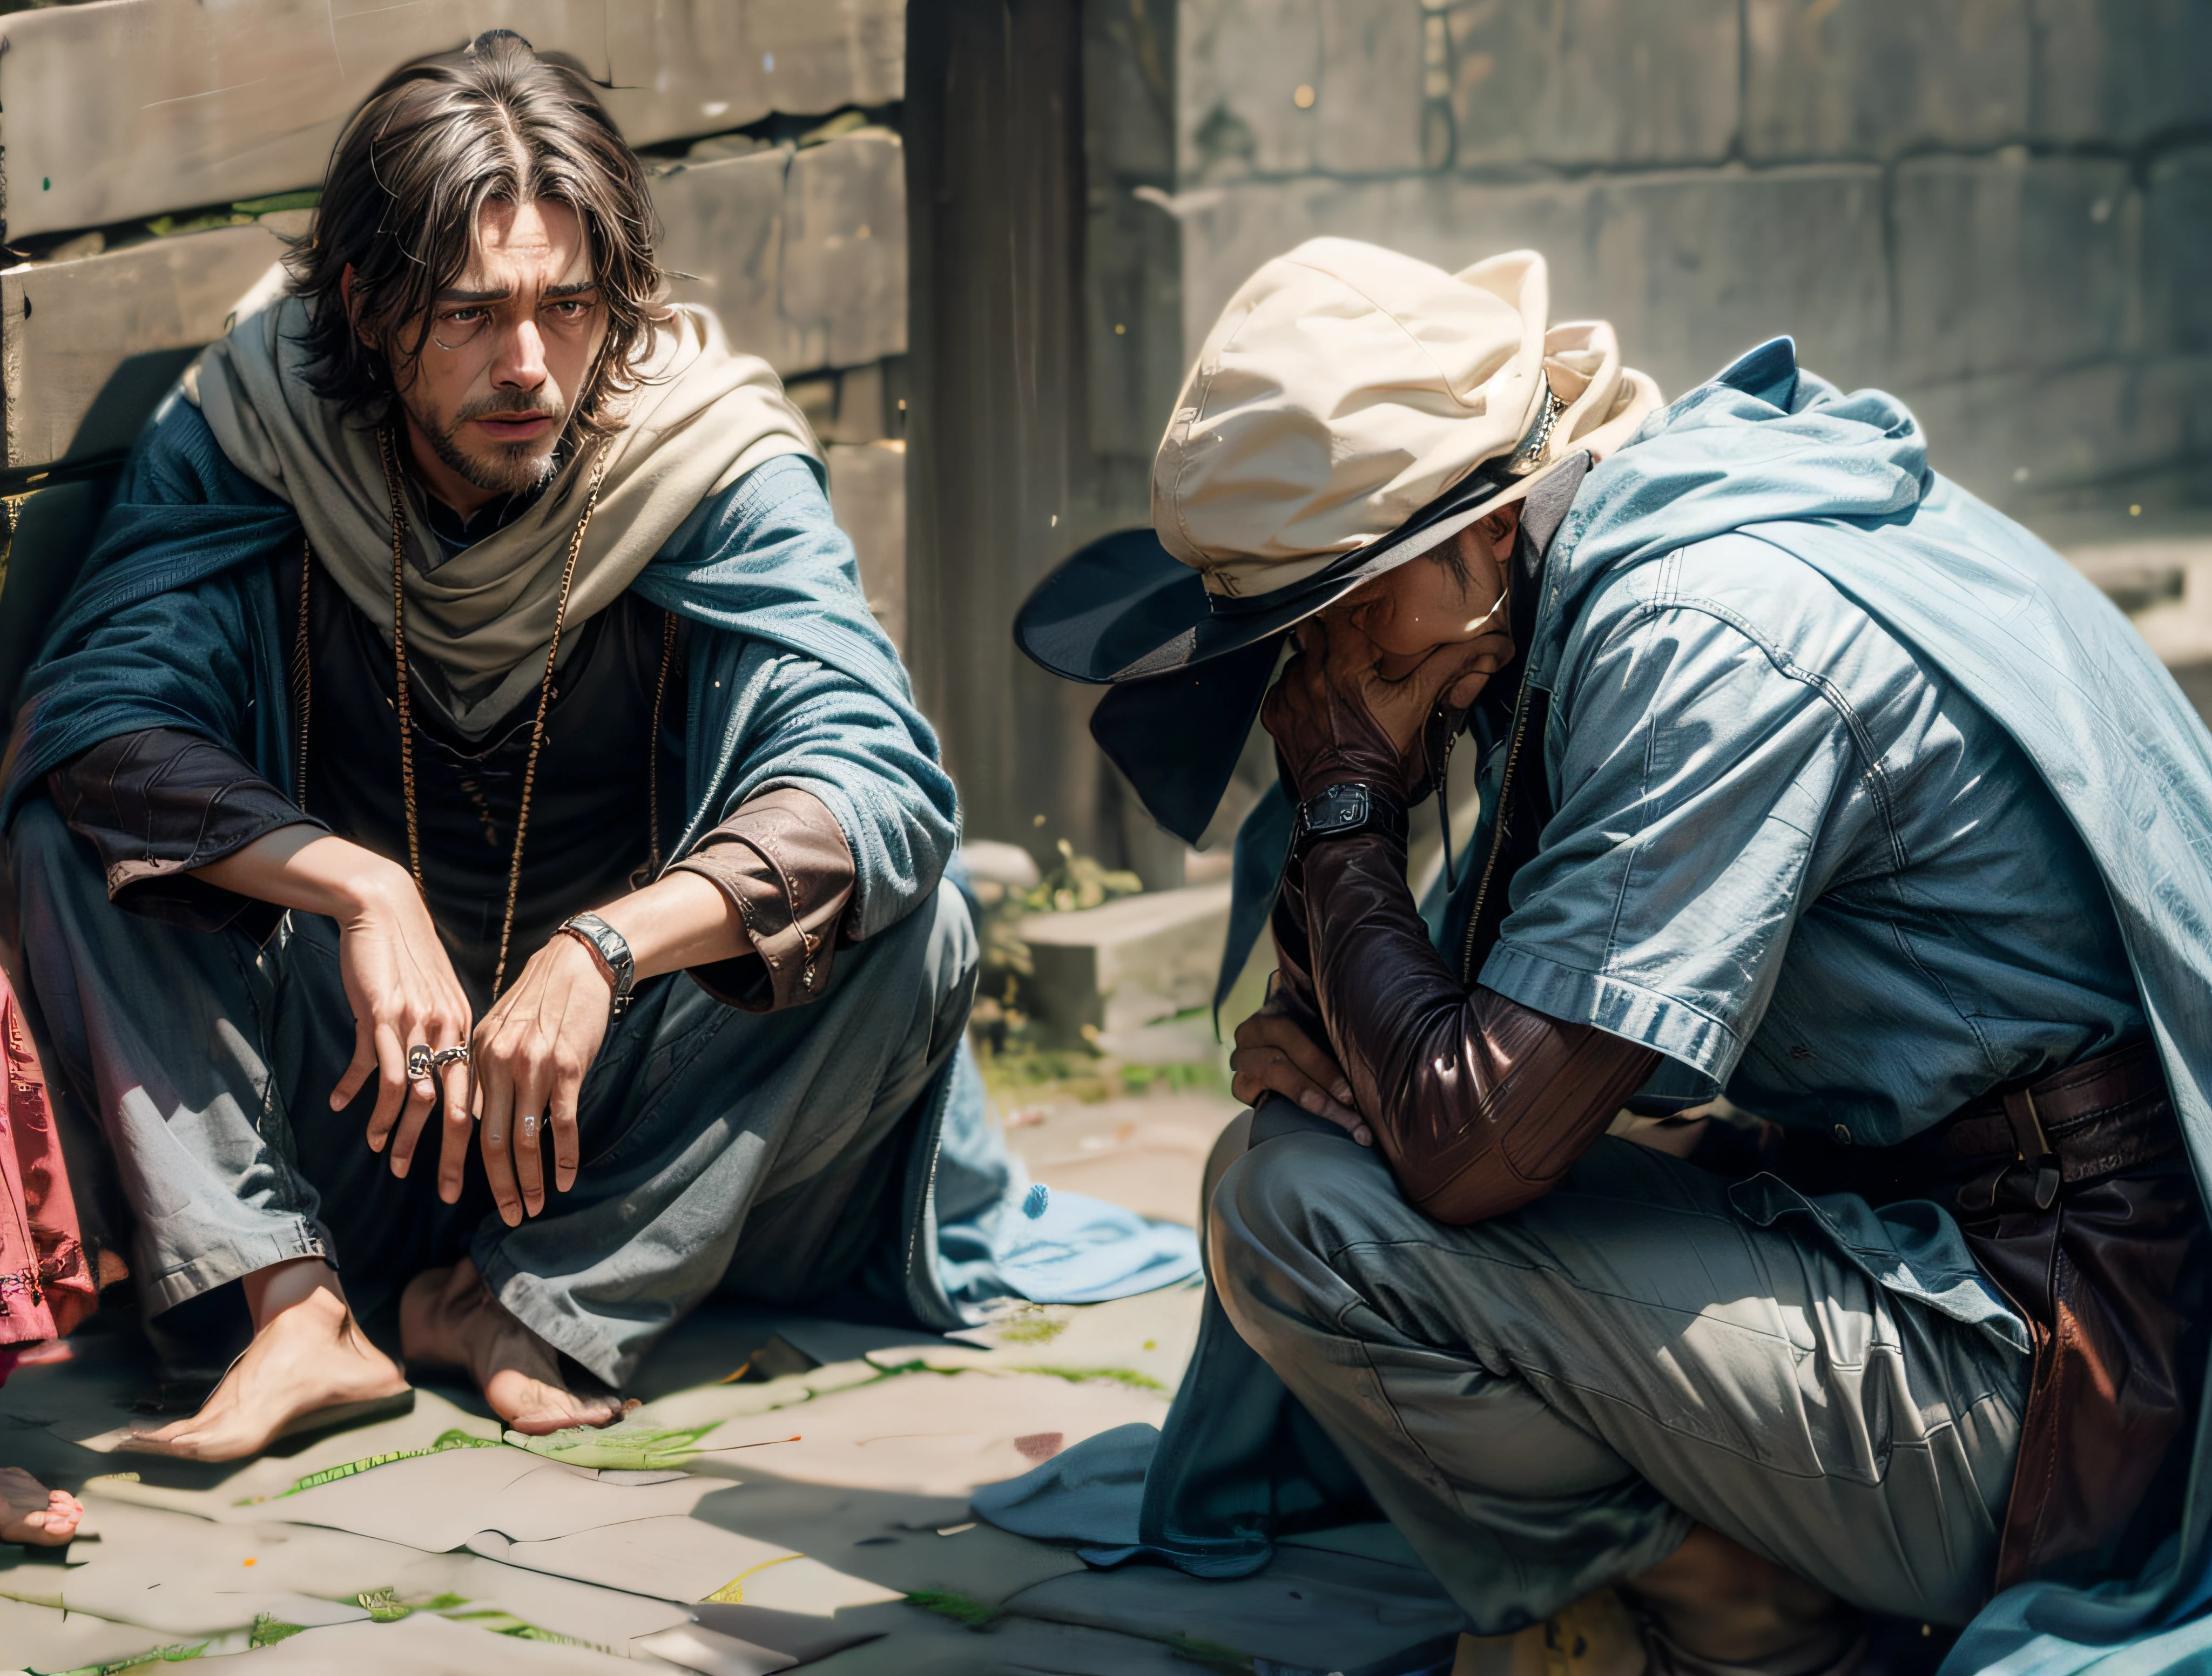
x=388, y=450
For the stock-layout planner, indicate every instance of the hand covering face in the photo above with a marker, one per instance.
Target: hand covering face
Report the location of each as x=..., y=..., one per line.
x=1479, y=1104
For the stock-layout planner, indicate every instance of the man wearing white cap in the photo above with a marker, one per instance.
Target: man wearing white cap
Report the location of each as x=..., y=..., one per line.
x=1805, y=779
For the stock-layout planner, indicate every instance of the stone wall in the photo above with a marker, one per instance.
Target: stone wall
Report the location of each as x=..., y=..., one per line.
x=1999, y=209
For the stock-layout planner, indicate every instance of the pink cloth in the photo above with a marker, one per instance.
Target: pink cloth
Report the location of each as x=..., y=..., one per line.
x=46, y=1282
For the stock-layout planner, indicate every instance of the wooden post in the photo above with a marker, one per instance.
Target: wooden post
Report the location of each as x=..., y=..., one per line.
x=1037, y=327
x=995, y=432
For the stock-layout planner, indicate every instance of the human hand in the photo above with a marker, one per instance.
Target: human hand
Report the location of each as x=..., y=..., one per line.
x=1275, y=1054
x=400, y=983
x=1336, y=717
x=531, y=1055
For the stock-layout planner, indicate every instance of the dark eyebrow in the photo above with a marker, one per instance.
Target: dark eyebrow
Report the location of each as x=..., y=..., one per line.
x=576, y=290
x=468, y=296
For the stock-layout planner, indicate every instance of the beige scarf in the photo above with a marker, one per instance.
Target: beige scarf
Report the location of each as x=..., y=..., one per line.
x=702, y=417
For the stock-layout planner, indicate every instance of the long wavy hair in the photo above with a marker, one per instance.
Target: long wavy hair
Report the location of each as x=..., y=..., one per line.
x=494, y=121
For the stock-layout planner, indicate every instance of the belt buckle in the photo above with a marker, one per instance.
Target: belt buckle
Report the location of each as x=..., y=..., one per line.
x=2033, y=1146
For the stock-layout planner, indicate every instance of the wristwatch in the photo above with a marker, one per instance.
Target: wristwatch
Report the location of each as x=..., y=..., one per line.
x=613, y=955
x=1340, y=810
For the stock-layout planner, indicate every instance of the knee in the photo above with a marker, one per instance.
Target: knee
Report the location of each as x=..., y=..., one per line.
x=1284, y=1212
x=931, y=956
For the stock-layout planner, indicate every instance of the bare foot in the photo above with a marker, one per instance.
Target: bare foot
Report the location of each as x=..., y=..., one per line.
x=308, y=1353
x=448, y=1318
x=31, y=1513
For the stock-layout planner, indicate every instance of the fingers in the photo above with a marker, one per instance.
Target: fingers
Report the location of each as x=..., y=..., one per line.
x=1258, y=1071
x=1274, y=1056
x=458, y=1119
x=1272, y=1029
x=357, y=1073
x=391, y=1087
x=422, y=1097
x=530, y=1160
x=566, y=1092
x=495, y=1103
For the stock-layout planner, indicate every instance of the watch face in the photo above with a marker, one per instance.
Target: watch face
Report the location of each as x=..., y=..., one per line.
x=1338, y=808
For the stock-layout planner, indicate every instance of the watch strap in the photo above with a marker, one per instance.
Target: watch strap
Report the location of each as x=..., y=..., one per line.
x=1340, y=810
x=613, y=955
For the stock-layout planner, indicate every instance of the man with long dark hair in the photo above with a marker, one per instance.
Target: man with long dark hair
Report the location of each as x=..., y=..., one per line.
x=469, y=656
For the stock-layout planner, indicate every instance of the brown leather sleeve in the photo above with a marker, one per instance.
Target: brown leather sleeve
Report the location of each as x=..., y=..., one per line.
x=1479, y=1104
x=783, y=862
x=158, y=803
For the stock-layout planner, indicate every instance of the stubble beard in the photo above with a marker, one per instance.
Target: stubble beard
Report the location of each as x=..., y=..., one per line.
x=511, y=467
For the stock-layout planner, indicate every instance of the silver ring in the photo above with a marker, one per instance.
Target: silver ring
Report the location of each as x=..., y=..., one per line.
x=530, y=1128
x=419, y=1061
x=445, y=1056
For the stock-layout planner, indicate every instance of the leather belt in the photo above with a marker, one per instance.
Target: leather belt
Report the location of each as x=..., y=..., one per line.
x=2102, y=1114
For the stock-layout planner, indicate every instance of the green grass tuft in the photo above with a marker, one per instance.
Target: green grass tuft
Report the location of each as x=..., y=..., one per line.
x=958, y=1608
x=269, y=1630
x=1128, y=1376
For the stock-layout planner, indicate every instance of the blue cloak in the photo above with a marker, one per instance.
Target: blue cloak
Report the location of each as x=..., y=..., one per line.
x=791, y=682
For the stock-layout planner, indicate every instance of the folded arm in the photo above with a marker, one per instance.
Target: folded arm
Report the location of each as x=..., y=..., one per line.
x=1479, y=1104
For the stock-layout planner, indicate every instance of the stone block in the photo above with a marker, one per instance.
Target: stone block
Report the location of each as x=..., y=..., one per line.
x=1882, y=78
x=817, y=56
x=1369, y=96
x=682, y=67
x=2121, y=71
x=2077, y=437
x=1691, y=268
x=803, y=255
x=1128, y=90
x=1240, y=64
x=843, y=258
x=1133, y=326
x=721, y=238
x=87, y=348
x=868, y=494
x=2006, y=264
x=1592, y=82
x=2177, y=252
x=135, y=108
x=1130, y=963
x=1283, y=87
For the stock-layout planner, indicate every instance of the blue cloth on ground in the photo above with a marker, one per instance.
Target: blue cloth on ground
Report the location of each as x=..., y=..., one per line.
x=1071, y=1250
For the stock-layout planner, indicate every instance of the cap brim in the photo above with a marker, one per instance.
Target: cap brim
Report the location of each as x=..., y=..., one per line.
x=1178, y=736
x=1124, y=608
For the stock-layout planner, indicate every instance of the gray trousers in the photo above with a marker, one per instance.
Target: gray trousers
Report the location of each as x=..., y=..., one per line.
x=1542, y=1404
x=719, y=1147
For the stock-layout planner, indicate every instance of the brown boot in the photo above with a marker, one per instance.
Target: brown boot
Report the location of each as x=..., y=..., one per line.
x=1715, y=1608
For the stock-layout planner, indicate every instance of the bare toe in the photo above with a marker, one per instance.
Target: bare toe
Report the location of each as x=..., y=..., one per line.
x=32, y=1513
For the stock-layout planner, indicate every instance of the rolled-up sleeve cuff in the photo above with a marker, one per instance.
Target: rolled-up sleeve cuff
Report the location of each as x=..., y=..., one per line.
x=783, y=862
x=159, y=804
x=1616, y=1006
